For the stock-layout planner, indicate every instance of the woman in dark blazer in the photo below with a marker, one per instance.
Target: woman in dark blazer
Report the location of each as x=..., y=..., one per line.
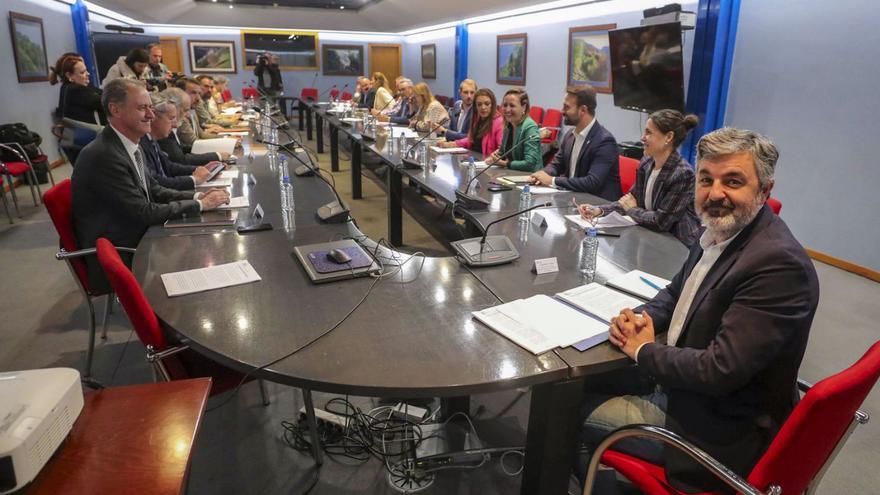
x=77, y=100
x=662, y=197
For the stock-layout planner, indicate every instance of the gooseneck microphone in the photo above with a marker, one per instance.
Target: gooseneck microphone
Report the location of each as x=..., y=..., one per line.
x=331, y=88
x=490, y=250
x=470, y=202
x=408, y=162
x=520, y=212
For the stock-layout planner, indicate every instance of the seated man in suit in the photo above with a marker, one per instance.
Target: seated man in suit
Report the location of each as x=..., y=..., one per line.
x=737, y=317
x=587, y=159
x=407, y=107
x=460, y=115
x=201, y=130
x=202, y=105
x=168, y=173
x=367, y=94
x=113, y=194
x=173, y=144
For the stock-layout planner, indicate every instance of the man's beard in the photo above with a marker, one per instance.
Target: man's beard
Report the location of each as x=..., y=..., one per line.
x=569, y=121
x=735, y=219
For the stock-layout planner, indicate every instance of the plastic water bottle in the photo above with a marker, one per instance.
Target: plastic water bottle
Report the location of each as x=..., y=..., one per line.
x=471, y=174
x=525, y=201
x=283, y=171
x=286, y=195
x=423, y=154
x=587, y=255
x=402, y=141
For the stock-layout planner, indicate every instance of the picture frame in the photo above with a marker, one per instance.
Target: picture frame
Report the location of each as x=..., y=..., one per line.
x=343, y=60
x=215, y=57
x=28, y=47
x=589, y=57
x=297, y=50
x=429, y=61
x=511, y=57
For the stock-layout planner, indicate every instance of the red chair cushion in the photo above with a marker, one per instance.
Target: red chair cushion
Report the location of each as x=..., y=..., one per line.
x=334, y=93
x=553, y=118
x=628, y=168
x=536, y=113
x=250, y=93
x=346, y=96
x=39, y=159
x=309, y=94
x=16, y=168
x=60, y=207
x=775, y=205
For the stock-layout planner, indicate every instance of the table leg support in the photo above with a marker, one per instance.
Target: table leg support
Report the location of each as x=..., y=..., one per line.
x=301, y=111
x=309, y=123
x=395, y=207
x=319, y=130
x=552, y=437
x=334, y=148
x=356, y=192
x=313, y=427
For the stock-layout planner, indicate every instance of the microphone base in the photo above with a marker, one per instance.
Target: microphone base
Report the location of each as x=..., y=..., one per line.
x=469, y=202
x=410, y=164
x=333, y=213
x=497, y=250
x=303, y=171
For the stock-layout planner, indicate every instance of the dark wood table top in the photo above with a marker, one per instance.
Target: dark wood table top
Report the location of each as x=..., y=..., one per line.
x=135, y=439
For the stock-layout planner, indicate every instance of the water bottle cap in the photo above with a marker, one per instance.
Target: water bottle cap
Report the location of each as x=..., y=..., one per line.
x=285, y=179
x=592, y=232
x=526, y=188
x=471, y=158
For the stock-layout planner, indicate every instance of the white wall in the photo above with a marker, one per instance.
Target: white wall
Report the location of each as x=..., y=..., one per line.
x=32, y=103
x=806, y=77
x=444, y=39
x=547, y=53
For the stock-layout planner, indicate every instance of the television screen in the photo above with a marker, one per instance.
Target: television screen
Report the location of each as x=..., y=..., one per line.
x=646, y=67
x=110, y=46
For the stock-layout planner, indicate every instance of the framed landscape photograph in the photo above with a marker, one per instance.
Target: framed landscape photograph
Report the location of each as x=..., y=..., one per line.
x=28, y=47
x=343, y=60
x=429, y=61
x=296, y=50
x=510, y=67
x=216, y=57
x=589, y=57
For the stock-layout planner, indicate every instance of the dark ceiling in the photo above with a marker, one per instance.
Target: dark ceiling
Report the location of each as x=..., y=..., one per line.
x=353, y=5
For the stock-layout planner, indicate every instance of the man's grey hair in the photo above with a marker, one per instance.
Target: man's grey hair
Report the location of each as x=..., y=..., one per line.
x=116, y=91
x=161, y=103
x=221, y=80
x=729, y=140
x=406, y=80
x=176, y=96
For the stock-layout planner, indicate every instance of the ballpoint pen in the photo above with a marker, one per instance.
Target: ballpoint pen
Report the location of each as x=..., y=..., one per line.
x=650, y=284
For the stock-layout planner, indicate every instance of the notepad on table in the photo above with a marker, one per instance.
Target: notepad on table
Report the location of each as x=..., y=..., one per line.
x=608, y=221
x=232, y=110
x=230, y=173
x=639, y=283
x=406, y=131
x=515, y=179
x=598, y=300
x=541, y=189
x=222, y=181
x=234, y=133
x=211, y=218
x=237, y=202
x=218, y=145
x=209, y=278
x=447, y=151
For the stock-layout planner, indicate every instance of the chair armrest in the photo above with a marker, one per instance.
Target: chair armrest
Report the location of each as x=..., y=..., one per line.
x=803, y=385
x=18, y=150
x=79, y=253
x=671, y=439
x=153, y=356
x=78, y=124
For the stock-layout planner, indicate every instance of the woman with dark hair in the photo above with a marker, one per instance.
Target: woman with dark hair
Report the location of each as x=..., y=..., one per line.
x=131, y=66
x=77, y=100
x=662, y=197
x=521, y=144
x=487, y=126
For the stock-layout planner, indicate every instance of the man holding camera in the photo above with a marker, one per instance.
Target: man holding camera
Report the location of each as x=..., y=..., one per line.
x=268, y=75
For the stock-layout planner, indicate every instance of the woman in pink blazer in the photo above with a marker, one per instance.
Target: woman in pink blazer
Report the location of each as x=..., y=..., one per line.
x=487, y=126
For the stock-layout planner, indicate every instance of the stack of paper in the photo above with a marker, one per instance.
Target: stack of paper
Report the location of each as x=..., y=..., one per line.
x=406, y=131
x=232, y=110
x=639, y=283
x=598, y=300
x=212, y=277
x=218, y=182
x=608, y=221
x=220, y=145
x=237, y=202
x=444, y=151
x=541, y=189
x=515, y=179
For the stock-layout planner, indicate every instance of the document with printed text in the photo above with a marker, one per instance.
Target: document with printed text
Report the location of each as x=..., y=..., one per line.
x=209, y=278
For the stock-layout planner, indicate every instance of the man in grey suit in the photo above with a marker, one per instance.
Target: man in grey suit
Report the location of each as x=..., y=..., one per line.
x=737, y=317
x=113, y=194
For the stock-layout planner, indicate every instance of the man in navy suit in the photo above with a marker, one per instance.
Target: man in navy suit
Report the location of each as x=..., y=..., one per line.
x=461, y=113
x=736, y=316
x=587, y=161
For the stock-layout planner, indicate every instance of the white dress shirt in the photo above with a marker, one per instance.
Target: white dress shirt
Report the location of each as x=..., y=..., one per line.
x=461, y=116
x=711, y=252
x=649, y=189
x=579, y=139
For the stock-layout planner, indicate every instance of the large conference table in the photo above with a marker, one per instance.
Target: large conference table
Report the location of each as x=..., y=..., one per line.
x=413, y=336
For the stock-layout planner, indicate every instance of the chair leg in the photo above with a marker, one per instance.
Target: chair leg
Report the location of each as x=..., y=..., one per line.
x=6, y=204
x=313, y=427
x=263, y=392
x=90, y=352
x=9, y=179
x=31, y=182
x=108, y=308
x=51, y=177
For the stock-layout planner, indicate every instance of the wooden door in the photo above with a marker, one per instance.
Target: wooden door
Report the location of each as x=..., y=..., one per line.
x=387, y=60
x=171, y=55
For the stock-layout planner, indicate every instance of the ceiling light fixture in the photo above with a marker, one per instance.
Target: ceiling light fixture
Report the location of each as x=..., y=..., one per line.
x=230, y=6
x=342, y=7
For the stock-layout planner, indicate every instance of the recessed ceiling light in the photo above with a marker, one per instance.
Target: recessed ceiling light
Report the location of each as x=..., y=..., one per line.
x=342, y=7
x=230, y=6
x=215, y=1
x=274, y=4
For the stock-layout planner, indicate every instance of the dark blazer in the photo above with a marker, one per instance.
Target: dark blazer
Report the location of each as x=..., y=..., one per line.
x=405, y=113
x=79, y=102
x=109, y=200
x=176, y=152
x=597, y=170
x=167, y=173
x=453, y=132
x=673, y=199
x=368, y=99
x=731, y=378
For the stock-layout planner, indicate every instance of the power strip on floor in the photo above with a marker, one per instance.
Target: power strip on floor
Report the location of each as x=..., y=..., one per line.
x=326, y=417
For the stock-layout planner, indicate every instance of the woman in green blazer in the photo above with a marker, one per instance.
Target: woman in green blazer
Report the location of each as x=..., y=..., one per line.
x=521, y=133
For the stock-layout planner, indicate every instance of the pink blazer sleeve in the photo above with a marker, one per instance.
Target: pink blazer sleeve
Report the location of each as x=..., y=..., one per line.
x=493, y=141
x=464, y=142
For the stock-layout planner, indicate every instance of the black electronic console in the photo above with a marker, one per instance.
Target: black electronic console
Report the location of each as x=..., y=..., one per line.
x=490, y=250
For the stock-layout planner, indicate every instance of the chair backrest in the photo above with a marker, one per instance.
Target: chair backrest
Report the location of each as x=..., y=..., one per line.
x=537, y=114
x=130, y=295
x=628, y=168
x=227, y=95
x=553, y=118
x=59, y=204
x=334, y=93
x=346, y=96
x=816, y=426
x=250, y=93
x=309, y=94
x=775, y=205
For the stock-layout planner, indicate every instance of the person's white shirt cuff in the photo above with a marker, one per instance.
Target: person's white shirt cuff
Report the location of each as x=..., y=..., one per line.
x=219, y=158
x=199, y=201
x=553, y=182
x=639, y=348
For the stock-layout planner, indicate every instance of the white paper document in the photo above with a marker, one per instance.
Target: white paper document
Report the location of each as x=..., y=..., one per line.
x=234, y=133
x=598, y=300
x=541, y=189
x=237, y=202
x=210, y=278
x=218, y=182
x=608, y=221
x=639, y=283
x=449, y=151
x=406, y=131
x=232, y=110
x=515, y=179
x=480, y=165
x=231, y=173
x=220, y=145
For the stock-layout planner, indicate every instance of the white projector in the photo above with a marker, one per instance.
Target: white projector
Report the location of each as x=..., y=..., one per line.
x=37, y=411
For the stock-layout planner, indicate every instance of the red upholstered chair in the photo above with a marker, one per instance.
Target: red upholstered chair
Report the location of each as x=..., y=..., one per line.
x=628, y=168
x=334, y=93
x=60, y=208
x=552, y=120
x=775, y=205
x=226, y=95
x=250, y=93
x=170, y=361
x=796, y=459
x=346, y=96
x=5, y=202
x=309, y=94
x=537, y=114
x=19, y=168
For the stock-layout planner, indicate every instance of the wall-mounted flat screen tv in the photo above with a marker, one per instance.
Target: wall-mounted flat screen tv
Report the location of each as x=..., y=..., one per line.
x=647, y=67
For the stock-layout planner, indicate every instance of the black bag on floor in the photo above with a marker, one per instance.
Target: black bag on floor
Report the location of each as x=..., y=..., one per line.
x=19, y=133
